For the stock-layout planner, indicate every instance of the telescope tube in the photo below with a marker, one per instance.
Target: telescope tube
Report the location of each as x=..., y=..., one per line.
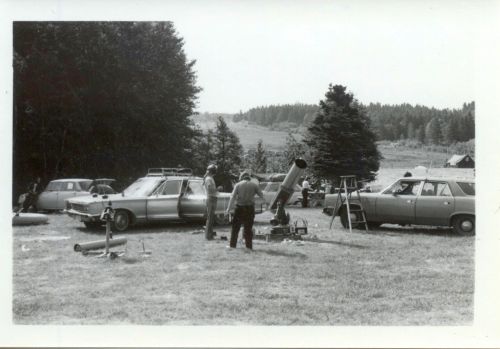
x=285, y=190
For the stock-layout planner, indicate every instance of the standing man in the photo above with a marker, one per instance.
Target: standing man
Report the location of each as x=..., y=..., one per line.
x=244, y=213
x=32, y=194
x=211, y=189
x=305, y=192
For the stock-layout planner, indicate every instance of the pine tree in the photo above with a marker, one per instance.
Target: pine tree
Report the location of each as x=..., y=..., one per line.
x=259, y=164
x=227, y=153
x=340, y=138
x=100, y=96
x=411, y=131
x=420, y=134
x=433, y=134
x=451, y=134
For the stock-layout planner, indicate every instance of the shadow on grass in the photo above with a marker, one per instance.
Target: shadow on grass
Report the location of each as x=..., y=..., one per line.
x=155, y=227
x=282, y=253
x=319, y=241
x=394, y=230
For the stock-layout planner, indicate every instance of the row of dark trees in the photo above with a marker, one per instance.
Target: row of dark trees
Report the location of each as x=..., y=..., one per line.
x=427, y=125
x=96, y=99
x=297, y=114
x=389, y=122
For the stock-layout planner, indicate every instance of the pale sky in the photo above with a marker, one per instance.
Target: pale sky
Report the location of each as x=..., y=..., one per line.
x=252, y=53
x=276, y=52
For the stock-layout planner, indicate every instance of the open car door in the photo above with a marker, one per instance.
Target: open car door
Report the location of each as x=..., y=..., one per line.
x=163, y=203
x=193, y=202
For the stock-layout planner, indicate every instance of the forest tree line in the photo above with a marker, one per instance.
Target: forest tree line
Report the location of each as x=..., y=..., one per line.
x=100, y=99
x=389, y=122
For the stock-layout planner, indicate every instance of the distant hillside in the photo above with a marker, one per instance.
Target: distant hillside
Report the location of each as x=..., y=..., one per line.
x=401, y=154
x=389, y=122
x=248, y=133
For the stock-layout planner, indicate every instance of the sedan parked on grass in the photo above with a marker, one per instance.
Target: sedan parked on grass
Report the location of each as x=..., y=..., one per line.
x=168, y=196
x=57, y=191
x=417, y=201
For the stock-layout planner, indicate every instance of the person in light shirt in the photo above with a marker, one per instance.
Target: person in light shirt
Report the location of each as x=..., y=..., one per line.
x=211, y=190
x=305, y=192
x=243, y=196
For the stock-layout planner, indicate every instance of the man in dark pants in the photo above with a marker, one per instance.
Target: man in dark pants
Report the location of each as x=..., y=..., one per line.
x=244, y=213
x=211, y=190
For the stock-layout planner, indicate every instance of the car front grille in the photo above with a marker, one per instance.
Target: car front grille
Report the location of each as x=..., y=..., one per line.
x=79, y=207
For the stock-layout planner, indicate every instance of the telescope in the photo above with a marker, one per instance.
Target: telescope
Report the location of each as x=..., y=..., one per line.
x=285, y=190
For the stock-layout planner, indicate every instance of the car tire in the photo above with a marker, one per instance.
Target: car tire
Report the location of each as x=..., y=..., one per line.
x=92, y=225
x=464, y=225
x=222, y=219
x=121, y=221
x=355, y=216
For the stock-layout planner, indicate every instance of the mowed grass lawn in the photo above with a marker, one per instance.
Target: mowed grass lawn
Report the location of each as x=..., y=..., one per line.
x=390, y=276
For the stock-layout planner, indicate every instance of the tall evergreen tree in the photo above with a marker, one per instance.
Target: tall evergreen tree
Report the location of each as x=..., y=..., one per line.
x=227, y=153
x=100, y=99
x=340, y=138
x=294, y=150
x=451, y=131
x=260, y=160
x=433, y=133
x=202, y=151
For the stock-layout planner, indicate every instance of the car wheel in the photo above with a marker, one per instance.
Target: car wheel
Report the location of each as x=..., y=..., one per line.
x=221, y=219
x=464, y=225
x=355, y=216
x=92, y=225
x=121, y=221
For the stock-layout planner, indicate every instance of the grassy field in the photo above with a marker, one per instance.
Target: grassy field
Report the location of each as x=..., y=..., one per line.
x=390, y=276
x=249, y=134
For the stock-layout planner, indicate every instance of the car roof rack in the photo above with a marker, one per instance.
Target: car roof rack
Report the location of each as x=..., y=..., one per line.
x=170, y=171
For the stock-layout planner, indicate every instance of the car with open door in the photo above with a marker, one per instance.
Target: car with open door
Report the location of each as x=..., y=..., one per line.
x=164, y=194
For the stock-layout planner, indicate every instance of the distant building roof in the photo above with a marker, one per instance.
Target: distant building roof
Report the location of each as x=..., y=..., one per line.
x=455, y=159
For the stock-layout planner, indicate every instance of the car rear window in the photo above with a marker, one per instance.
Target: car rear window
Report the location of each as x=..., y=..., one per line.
x=468, y=188
x=54, y=186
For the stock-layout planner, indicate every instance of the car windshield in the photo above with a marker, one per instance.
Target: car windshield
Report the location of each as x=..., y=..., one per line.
x=468, y=188
x=403, y=187
x=85, y=185
x=143, y=186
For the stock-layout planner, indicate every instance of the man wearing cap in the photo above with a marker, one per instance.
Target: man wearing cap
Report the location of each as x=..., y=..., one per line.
x=244, y=213
x=211, y=190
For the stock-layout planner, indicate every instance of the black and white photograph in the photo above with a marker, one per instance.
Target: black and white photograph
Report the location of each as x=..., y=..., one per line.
x=250, y=173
